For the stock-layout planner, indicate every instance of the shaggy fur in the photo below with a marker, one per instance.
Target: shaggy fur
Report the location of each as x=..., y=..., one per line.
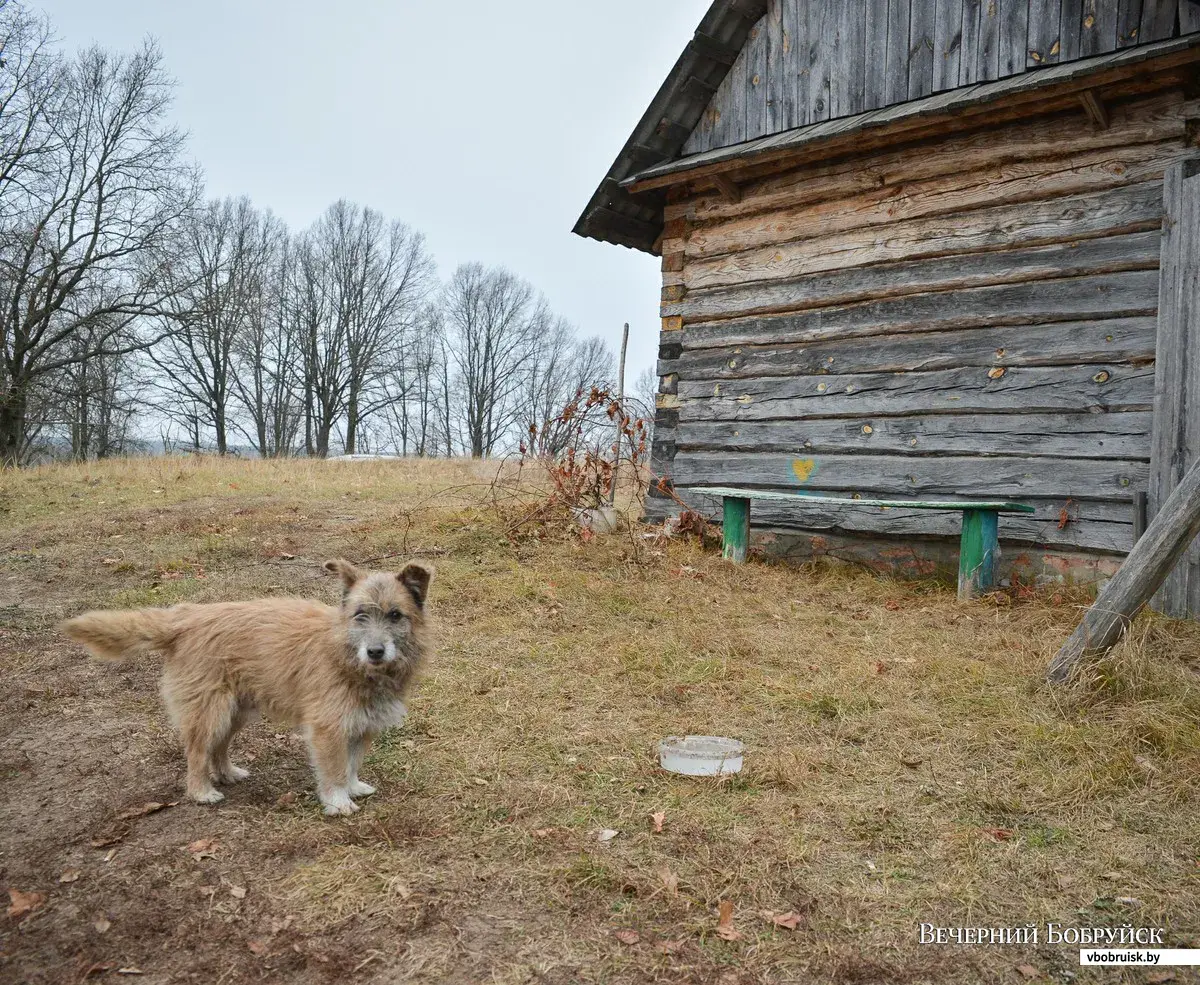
x=339, y=673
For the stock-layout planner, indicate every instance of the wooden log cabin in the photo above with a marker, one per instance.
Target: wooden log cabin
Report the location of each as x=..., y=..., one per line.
x=915, y=249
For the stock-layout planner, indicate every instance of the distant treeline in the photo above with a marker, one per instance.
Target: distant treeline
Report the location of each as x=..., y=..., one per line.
x=136, y=313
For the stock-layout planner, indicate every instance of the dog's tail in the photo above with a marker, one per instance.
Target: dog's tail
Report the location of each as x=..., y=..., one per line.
x=120, y=634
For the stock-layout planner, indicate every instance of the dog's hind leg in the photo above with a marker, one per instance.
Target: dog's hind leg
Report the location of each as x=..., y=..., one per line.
x=331, y=760
x=358, y=749
x=205, y=722
x=223, y=771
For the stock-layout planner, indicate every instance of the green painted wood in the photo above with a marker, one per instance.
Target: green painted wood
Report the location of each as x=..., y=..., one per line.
x=979, y=551
x=735, y=528
x=730, y=492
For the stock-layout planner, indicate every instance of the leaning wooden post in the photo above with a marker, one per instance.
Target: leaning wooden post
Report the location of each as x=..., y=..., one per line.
x=1143, y=571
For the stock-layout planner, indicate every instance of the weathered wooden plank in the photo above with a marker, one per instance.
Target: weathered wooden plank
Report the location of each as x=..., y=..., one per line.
x=849, y=74
x=876, y=54
x=1027, y=389
x=1112, y=340
x=954, y=195
x=1189, y=16
x=822, y=22
x=1160, y=121
x=920, y=49
x=947, y=43
x=796, y=19
x=899, y=16
x=1136, y=208
x=1149, y=563
x=1158, y=20
x=1176, y=433
x=1099, y=29
x=779, y=91
x=757, y=110
x=972, y=27
x=1138, y=251
x=1071, y=30
x=805, y=499
x=987, y=64
x=1014, y=37
x=1131, y=293
x=1091, y=525
x=1045, y=30
x=1061, y=435
x=934, y=477
x=1129, y=19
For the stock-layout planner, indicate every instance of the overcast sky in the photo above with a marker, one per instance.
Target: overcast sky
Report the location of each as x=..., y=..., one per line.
x=485, y=125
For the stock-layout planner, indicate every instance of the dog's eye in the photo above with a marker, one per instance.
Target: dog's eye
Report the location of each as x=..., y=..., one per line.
x=395, y=615
x=361, y=615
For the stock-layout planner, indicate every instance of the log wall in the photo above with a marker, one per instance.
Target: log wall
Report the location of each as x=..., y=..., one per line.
x=974, y=317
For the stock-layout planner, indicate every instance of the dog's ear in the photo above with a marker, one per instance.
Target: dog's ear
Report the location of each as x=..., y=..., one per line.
x=416, y=577
x=348, y=573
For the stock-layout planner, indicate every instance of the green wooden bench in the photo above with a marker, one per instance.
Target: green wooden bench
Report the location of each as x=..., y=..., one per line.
x=978, y=549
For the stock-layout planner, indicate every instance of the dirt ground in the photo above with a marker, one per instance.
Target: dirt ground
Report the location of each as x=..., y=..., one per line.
x=905, y=762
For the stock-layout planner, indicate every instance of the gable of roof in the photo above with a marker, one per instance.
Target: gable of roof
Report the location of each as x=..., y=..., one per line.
x=758, y=68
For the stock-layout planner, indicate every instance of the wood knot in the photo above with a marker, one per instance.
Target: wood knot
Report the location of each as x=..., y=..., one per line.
x=1101, y=377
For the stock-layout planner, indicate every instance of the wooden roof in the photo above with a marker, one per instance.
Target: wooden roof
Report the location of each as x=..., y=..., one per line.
x=750, y=86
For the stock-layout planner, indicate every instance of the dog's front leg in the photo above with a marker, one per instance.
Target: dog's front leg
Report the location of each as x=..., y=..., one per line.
x=358, y=750
x=331, y=760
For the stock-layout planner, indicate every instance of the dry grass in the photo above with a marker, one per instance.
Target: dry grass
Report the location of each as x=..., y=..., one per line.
x=906, y=763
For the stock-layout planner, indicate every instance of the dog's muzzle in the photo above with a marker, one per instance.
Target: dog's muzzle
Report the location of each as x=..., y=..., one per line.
x=376, y=654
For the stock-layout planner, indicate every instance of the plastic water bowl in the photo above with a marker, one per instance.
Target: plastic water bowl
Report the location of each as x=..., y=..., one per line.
x=700, y=755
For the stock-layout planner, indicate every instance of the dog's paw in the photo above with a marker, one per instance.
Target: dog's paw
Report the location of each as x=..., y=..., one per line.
x=208, y=797
x=338, y=804
x=360, y=789
x=232, y=774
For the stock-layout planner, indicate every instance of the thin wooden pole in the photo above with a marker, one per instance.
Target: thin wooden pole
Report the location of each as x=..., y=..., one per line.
x=612, y=490
x=1140, y=576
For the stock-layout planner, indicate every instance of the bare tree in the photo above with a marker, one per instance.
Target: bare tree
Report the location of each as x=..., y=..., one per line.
x=560, y=370
x=268, y=355
x=84, y=221
x=219, y=282
x=494, y=321
x=361, y=286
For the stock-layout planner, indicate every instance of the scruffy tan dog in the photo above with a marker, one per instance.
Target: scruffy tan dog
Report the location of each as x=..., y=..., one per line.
x=340, y=674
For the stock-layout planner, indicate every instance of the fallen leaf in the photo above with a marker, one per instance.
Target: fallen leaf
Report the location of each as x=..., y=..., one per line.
x=278, y=925
x=998, y=834
x=1028, y=970
x=237, y=892
x=725, y=928
x=286, y=799
x=1157, y=977
x=543, y=832
x=881, y=667
x=151, y=807
x=668, y=947
x=1128, y=901
x=479, y=781
x=287, y=557
x=669, y=879
x=257, y=947
x=111, y=836
x=629, y=937
x=203, y=848
x=21, y=904
x=657, y=819
x=912, y=762
x=102, y=924
x=892, y=605
x=606, y=834
x=788, y=921
x=70, y=875
x=996, y=372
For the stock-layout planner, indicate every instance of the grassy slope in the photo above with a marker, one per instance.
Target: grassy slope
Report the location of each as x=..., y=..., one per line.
x=905, y=763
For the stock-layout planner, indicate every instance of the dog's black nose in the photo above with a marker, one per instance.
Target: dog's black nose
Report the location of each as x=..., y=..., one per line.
x=375, y=654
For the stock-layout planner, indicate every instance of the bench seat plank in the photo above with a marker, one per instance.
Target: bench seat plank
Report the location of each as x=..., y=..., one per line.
x=998, y=506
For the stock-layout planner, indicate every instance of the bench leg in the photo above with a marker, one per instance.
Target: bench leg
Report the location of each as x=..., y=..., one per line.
x=978, y=553
x=735, y=529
